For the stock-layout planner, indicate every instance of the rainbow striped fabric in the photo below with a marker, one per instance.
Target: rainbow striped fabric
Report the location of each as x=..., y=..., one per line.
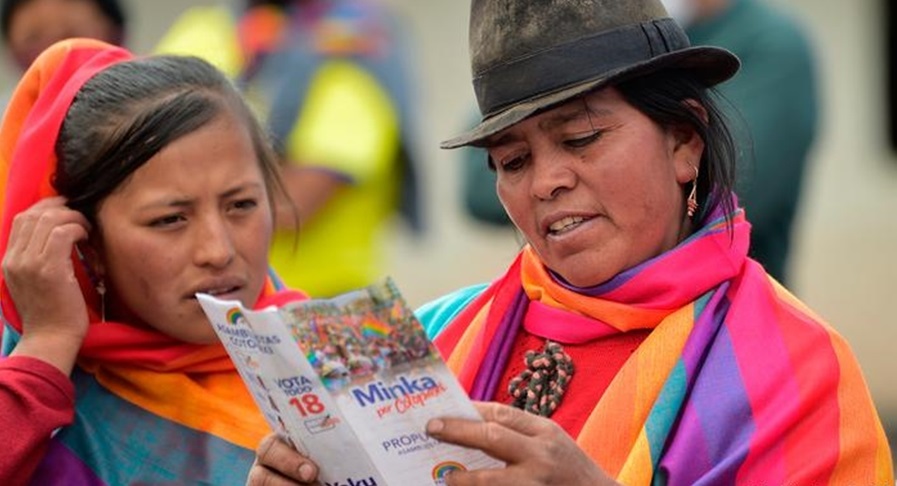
x=737, y=383
x=149, y=409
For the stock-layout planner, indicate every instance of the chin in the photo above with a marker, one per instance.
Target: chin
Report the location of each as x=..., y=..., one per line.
x=586, y=274
x=199, y=332
x=586, y=282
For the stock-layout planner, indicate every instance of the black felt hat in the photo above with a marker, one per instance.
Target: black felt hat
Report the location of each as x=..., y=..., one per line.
x=529, y=55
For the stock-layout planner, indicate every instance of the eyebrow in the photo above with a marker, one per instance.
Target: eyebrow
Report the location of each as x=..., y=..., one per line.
x=181, y=202
x=573, y=113
x=560, y=117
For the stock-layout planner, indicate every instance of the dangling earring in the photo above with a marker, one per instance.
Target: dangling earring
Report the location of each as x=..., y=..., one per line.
x=101, y=291
x=692, y=203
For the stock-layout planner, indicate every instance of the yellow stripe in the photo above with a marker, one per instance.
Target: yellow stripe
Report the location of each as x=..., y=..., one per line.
x=637, y=470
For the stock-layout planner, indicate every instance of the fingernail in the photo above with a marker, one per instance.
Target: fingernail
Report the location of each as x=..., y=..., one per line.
x=435, y=426
x=306, y=472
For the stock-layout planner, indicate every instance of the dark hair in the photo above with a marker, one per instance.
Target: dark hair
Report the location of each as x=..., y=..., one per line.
x=112, y=9
x=661, y=96
x=127, y=113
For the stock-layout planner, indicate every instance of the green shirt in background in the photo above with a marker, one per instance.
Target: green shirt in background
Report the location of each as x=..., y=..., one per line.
x=773, y=109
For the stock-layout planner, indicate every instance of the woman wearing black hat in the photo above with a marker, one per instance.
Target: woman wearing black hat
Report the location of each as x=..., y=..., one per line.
x=644, y=343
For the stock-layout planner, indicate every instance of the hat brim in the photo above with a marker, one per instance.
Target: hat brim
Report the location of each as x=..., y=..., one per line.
x=712, y=65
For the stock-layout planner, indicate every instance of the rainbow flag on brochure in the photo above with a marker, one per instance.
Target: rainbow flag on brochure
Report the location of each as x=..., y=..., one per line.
x=372, y=328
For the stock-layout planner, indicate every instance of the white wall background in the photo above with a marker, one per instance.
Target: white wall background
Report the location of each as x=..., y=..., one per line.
x=846, y=257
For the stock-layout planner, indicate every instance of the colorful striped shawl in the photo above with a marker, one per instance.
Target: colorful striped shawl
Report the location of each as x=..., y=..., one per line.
x=150, y=409
x=738, y=383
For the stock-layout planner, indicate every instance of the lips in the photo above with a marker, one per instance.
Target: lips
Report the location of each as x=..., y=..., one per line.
x=221, y=287
x=564, y=224
x=216, y=292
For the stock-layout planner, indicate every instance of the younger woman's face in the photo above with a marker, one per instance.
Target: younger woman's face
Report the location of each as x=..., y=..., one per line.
x=595, y=186
x=195, y=218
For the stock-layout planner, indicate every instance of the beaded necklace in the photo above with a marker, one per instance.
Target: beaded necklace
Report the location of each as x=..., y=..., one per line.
x=540, y=388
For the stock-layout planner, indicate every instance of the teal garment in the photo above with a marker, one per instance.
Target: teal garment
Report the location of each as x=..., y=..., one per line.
x=111, y=441
x=772, y=104
x=436, y=314
x=478, y=189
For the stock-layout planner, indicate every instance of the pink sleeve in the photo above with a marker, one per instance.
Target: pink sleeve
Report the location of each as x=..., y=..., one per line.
x=35, y=400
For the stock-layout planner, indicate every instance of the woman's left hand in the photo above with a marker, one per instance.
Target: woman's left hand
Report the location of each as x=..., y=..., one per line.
x=535, y=449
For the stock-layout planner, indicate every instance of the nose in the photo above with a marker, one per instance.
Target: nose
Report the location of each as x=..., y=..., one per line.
x=214, y=246
x=552, y=174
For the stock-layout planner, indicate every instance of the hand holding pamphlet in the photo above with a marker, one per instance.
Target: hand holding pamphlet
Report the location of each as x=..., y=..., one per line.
x=351, y=382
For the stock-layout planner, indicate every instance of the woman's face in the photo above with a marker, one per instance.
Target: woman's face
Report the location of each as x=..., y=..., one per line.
x=38, y=24
x=195, y=218
x=595, y=192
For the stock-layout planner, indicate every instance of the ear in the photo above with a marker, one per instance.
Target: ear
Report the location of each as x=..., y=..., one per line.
x=92, y=254
x=687, y=145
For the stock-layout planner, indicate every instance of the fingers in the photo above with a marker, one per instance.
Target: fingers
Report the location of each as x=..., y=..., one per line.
x=46, y=230
x=38, y=261
x=262, y=476
x=38, y=272
x=535, y=449
x=490, y=436
x=275, y=460
x=514, y=418
x=484, y=477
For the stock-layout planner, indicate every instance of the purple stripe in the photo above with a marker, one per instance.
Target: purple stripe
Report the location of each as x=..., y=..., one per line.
x=63, y=468
x=710, y=314
x=693, y=456
x=492, y=368
x=711, y=441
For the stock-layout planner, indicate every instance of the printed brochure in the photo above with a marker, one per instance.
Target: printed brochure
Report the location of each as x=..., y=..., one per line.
x=351, y=382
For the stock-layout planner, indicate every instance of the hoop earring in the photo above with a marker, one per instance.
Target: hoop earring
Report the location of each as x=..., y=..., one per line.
x=692, y=202
x=101, y=291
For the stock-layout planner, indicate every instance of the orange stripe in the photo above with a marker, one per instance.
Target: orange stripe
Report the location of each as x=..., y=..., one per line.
x=623, y=409
x=613, y=417
x=460, y=361
x=854, y=465
x=621, y=316
x=215, y=403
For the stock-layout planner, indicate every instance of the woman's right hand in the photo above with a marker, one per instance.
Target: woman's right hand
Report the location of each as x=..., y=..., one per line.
x=278, y=464
x=39, y=274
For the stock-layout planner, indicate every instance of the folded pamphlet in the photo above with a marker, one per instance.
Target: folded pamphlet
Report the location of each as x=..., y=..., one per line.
x=351, y=382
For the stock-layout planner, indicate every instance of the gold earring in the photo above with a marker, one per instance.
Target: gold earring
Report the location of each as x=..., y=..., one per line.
x=692, y=203
x=101, y=291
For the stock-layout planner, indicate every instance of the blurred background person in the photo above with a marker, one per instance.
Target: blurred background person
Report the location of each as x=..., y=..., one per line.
x=331, y=78
x=30, y=26
x=773, y=107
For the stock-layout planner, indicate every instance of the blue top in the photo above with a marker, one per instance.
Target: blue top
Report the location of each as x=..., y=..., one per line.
x=436, y=314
